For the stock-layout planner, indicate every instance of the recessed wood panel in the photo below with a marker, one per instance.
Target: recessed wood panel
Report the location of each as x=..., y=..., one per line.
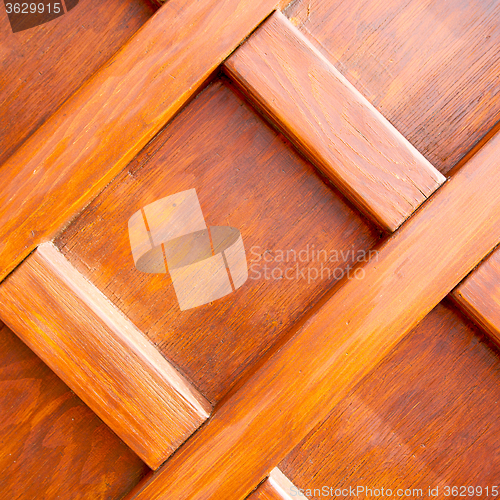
x=52, y=446
x=248, y=177
x=42, y=66
x=430, y=68
x=429, y=415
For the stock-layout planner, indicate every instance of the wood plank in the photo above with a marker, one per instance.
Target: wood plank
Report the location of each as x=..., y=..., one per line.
x=431, y=70
x=276, y=487
x=100, y=354
x=336, y=345
x=43, y=66
x=97, y=131
x=478, y=295
x=431, y=410
x=252, y=180
x=336, y=127
x=52, y=444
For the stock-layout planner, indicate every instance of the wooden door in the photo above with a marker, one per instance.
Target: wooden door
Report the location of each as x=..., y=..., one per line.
x=247, y=250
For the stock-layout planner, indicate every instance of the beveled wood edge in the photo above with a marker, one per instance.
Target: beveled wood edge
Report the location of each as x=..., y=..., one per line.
x=339, y=342
x=478, y=298
x=386, y=191
x=141, y=375
x=276, y=487
x=97, y=131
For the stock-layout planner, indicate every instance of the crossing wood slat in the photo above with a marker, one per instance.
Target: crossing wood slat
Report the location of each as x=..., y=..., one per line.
x=276, y=487
x=100, y=128
x=479, y=295
x=99, y=353
x=431, y=70
x=337, y=128
x=336, y=345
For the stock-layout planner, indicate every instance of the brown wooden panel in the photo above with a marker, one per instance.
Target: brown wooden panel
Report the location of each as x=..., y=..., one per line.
x=97, y=131
x=352, y=143
x=430, y=68
x=339, y=343
x=428, y=416
x=52, y=445
x=101, y=355
x=42, y=66
x=479, y=295
x=251, y=180
x=276, y=487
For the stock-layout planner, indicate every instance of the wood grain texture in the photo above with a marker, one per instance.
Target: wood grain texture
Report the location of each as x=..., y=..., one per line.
x=43, y=66
x=336, y=345
x=52, y=446
x=97, y=131
x=101, y=355
x=431, y=70
x=337, y=128
x=429, y=415
x=276, y=487
x=478, y=295
x=252, y=180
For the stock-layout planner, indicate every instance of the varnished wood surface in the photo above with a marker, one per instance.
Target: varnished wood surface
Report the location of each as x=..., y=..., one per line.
x=428, y=416
x=51, y=445
x=479, y=295
x=97, y=131
x=42, y=67
x=348, y=139
x=431, y=69
x=276, y=487
x=339, y=343
x=248, y=177
x=101, y=355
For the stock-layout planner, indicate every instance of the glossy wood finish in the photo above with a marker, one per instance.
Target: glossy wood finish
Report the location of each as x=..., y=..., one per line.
x=253, y=181
x=428, y=416
x=52, y=445
x=351, y=142
x=339, y=343
x=431, y=69
x=42, y=67
x=479, y=295
x=276, y=487
x=101, y=355
x=97, y=131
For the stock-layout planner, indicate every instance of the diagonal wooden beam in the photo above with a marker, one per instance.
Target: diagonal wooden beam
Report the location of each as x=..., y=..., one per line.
x=341, y=341
x=96, y=132
x=478, y=295
x=101, y=355
x=332, y=123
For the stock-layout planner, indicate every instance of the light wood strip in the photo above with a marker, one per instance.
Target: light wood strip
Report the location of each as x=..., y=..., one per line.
x=100, y=354
x=340, y=341
x=96, y=132
x=479, y=295
x=336, y=127
x=276, y=487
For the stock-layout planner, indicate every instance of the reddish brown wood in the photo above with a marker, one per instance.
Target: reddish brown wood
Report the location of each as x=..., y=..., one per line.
x=97, y=131
x=428, y=416
x=479, y=295
x=52, y=445
x=336, y=345
x=431, y=69
x=101, y=355
x=248, y=177
x=353, y=144
x=276, y=487
x=42, y=67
